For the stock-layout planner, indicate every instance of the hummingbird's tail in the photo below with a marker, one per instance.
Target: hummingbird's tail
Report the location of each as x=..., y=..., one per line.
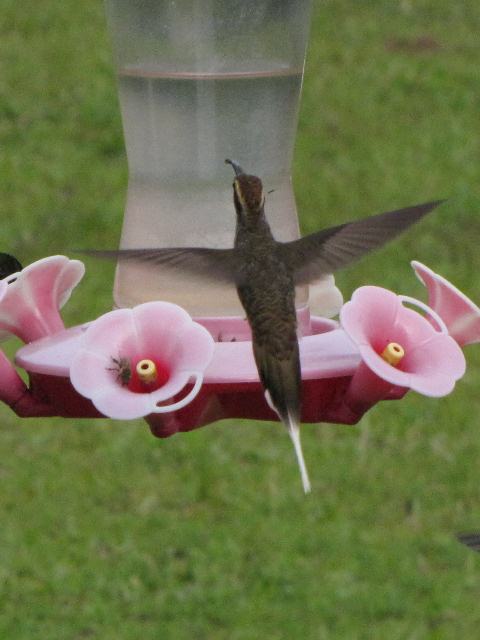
x=281, y=379
x=294, y=432
x=293, y=429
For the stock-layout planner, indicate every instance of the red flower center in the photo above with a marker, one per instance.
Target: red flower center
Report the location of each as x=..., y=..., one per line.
x=143, y=380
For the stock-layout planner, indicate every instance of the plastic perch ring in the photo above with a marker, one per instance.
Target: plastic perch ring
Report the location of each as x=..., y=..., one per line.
x=146, y=371
x=393, y=353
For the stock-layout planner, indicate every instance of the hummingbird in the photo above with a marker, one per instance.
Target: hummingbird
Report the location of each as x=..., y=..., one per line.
x=8, y=265
x=265, y=273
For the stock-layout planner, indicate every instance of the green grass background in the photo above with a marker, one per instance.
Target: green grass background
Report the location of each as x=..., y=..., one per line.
x=106, y=532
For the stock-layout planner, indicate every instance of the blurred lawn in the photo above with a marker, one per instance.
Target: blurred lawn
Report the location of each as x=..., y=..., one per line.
x=108, y=533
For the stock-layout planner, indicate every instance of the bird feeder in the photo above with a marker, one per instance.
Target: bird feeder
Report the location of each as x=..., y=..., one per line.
x=199, y=82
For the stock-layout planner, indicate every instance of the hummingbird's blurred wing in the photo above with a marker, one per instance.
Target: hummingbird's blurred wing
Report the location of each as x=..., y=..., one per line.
x=211, y=264
x=472, y=540
x=325, y=251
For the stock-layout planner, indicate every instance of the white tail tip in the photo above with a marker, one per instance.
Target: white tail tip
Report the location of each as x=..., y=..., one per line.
x=294, y=431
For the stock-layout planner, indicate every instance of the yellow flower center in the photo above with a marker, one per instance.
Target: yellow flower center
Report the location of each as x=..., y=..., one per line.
x=146, y=371
x=393, y=353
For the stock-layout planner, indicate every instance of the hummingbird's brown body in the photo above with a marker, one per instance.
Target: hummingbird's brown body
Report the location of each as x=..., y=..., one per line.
x=267, y=294
x=266, y=290
x=266, y=272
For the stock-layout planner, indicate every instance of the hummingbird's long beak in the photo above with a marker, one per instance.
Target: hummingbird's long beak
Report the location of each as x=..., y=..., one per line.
x=236, y=167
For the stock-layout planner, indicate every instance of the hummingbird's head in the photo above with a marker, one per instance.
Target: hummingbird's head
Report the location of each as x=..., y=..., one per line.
x=247, y=191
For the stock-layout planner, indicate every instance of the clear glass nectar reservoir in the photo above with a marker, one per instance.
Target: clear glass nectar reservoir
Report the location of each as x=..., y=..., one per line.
x=200, y=81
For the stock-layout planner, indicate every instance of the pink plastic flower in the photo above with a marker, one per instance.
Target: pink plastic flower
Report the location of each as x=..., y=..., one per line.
x=108, y=366
x=459, y=313
x=3, y=289
x=31, y=298
x=376, y=317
